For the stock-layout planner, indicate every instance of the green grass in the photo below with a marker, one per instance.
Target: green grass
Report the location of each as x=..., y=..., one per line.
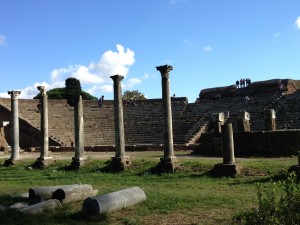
x=188, y=196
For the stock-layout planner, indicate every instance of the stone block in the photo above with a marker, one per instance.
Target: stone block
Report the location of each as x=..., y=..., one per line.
x=167, y=165
x=119, y=164
x=225, y=170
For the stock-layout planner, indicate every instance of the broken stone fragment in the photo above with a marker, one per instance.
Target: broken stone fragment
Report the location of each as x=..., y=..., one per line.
x=41, y=207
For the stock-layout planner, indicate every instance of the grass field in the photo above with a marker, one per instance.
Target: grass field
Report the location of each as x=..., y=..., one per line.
x=189, y=196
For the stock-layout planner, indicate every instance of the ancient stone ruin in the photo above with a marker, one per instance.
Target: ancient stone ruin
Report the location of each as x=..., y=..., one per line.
x=267, y=122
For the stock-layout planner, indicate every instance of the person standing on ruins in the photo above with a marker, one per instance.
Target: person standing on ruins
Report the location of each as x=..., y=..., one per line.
x=237, y=83
x=100, y=101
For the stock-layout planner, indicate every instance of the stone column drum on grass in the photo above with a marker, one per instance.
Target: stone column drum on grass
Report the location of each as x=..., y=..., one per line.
x=120, y=162
x=15, y=149
x=270, y=119
x=169, y=162
x=79, y=158
x=243, y=122
x=44, y=158
x=113, y=201
x=228, y=167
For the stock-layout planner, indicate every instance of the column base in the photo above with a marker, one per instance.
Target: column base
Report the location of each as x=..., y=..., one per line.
x=296, y=169
x=41, y=162
x=77, y=162
x=226, y=170
x=119, y=164
x=167, y=165
x=10, y=162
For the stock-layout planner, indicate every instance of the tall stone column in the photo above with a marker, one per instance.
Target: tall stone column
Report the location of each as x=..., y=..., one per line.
x=79, y=158
x=270, y=119
x=243, y=123
x=120, y=162
x=44, y=158
x=228, y=167
x=228, y=144
x=169, y=162
x=15, y=149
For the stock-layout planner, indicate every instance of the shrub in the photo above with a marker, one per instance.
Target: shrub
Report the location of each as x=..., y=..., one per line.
x=279, y=204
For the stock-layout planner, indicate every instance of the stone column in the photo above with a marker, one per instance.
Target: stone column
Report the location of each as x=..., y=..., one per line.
x=228, y=144
x=79, y=158
x=243, y=122
x=270, y=119
x=44, y=158
x=228, y=167
x=15, y=149
x=218, y=121
x=4, y=147
x=120, y=162
x=169, y=162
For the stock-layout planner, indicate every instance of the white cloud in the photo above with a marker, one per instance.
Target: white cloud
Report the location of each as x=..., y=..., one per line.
x=94, y=77
x=132, y=82
x=103, y=88
x=188, y=43
x=110, y=63
x=207, y=48
x=298, y=22
x=2, y=40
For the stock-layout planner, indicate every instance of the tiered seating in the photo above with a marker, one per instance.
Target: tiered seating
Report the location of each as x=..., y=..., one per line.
x=143, y=123
x=288, y=111
x=98, y=123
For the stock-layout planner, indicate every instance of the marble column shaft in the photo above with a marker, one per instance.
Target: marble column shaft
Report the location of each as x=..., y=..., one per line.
x=228, y=144
x=15, y=149
x=167, y=111
x=118, y=114
x=79, y=132
x=44, y=123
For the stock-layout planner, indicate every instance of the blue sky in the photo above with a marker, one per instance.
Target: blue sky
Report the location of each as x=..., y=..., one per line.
x=209, y=43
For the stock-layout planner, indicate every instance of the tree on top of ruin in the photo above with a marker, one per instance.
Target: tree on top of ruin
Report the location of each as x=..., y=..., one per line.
x=60, y=93
x=133, y=95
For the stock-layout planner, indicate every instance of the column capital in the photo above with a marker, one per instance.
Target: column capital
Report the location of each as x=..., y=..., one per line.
x=42, y=89
x=164, y=70
x=117, y=77
x=14, y=94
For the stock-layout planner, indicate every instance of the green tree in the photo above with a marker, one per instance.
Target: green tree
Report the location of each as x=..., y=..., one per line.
x=72, y=90
x=59, y=93
x=56, y=93
x=135, y=94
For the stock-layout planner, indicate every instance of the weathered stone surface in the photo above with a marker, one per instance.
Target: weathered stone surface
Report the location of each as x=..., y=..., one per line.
x=225, y=170
x=50, y=204
x=259, y=87
x=74, y=193
x=19, y=205
x=21, y=196
x=113, y=201
x=38, y=194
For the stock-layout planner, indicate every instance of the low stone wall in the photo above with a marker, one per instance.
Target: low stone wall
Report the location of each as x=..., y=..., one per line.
x=267, y=143
x=108, y=148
